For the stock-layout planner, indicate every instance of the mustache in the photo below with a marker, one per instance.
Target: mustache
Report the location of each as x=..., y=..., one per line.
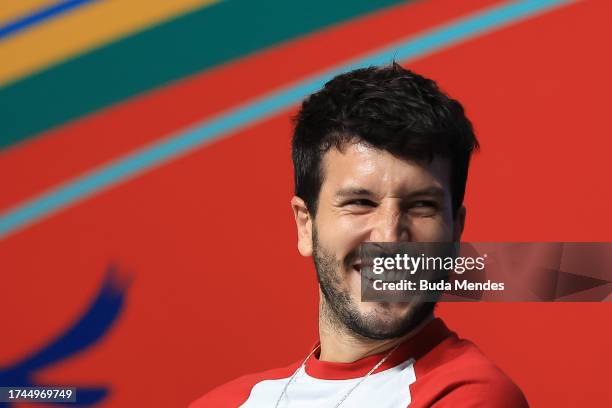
x=364, y=254
x=411, y=260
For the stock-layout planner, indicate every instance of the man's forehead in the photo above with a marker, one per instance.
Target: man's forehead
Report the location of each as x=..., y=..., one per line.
x=359, y=164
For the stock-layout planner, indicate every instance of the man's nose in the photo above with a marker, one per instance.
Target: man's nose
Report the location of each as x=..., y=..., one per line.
x=390, y=225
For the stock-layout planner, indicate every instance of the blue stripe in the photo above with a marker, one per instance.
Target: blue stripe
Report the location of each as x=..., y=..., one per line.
x=39, y=16
x=180, y=144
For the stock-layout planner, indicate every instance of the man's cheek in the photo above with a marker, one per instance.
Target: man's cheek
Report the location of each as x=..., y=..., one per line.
x=350, y=234
x=342, y=243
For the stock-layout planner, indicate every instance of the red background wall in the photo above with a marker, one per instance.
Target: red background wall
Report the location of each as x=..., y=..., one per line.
x=218, y=288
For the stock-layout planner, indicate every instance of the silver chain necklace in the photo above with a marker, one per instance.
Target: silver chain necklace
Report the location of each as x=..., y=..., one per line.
x=284, y=392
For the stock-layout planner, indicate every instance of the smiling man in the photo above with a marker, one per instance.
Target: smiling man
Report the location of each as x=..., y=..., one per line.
x=380, y=155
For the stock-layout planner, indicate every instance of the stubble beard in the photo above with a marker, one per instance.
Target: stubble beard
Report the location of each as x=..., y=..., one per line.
x=340, y=310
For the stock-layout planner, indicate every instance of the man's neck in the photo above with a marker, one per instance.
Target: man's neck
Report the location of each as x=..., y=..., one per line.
x=339, y=345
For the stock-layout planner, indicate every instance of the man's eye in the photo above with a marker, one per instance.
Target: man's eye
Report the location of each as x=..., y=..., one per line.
x=361, y=202
x=424, y=207
x=424, y=203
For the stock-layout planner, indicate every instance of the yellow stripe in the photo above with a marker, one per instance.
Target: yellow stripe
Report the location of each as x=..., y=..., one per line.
x=14, y=9
x=85, y=28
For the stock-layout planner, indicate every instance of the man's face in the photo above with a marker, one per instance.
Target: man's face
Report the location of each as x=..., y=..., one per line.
x=370, y=195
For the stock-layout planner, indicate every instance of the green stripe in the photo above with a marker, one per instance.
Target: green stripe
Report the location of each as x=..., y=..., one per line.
x=193, y=42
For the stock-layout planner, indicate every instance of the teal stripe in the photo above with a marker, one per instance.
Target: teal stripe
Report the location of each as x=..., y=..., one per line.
x=196, y=41
x=180, y=144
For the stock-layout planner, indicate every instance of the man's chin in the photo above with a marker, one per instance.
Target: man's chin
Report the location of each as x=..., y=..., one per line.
x=385, y=311
x=381, y=321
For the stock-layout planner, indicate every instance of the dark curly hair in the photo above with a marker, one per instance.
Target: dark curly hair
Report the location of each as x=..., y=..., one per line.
x=389, y=108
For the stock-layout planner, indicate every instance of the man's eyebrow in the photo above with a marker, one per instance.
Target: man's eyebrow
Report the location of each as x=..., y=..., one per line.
x=361, y=192
x=429, y=191
x=352, y=192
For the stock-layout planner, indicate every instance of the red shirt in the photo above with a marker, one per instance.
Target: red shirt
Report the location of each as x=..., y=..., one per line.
x=434, y=368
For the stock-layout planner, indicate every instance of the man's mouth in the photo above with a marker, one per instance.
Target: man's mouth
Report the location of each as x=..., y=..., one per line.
x=358, y=267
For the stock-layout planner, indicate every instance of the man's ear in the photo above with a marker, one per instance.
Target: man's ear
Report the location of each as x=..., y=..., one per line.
x=303, y=223
x=458, y=224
